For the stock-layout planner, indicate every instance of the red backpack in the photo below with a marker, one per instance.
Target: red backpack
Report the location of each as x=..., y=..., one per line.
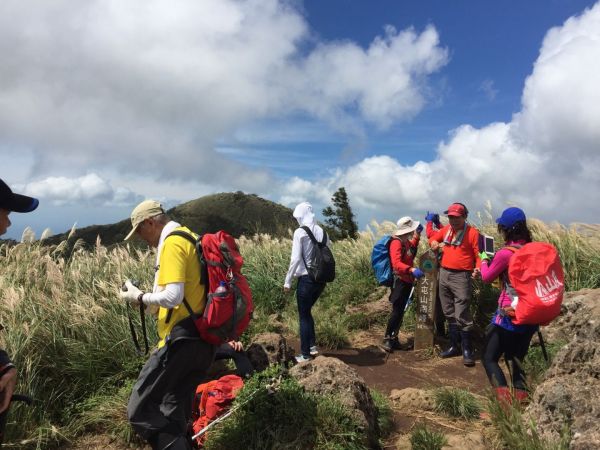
x=536, y=277
x=212, y=400
x=229, y=306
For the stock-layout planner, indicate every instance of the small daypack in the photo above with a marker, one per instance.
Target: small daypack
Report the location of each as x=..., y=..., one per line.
x=380, y=260
x=322, y=267
x=212, y=400
x=229, y=306
x=535, y=276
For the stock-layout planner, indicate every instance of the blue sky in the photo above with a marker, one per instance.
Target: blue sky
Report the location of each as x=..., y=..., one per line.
x=409, y=105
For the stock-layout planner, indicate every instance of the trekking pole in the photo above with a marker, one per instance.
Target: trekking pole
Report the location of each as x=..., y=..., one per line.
x=410, y=297
x=132, y=328
x=543, y=345
x=270, y=390
x=4, y=415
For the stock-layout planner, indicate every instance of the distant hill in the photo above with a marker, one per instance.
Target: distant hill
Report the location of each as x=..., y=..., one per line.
x=236, y=213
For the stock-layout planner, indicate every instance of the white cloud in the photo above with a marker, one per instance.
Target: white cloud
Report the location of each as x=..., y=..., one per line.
x=488, y=89
x=547, y=159
x=89, y=189
x=148, y=87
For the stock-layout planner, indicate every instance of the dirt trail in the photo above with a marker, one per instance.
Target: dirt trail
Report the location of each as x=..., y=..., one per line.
x=408, y=369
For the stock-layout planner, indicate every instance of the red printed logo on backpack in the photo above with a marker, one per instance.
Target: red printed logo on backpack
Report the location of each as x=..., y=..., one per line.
x=212, y=400
x=229, y=306
x=536, y=275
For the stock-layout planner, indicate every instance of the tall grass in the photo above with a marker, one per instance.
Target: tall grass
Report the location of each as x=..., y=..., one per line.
x=519, y=434
x=456, y=402
x=67, y=330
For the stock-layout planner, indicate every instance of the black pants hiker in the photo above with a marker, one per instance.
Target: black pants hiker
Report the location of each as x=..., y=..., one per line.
x=242, y=363
x=514, y=346
x=160, y=405
x=398, y=298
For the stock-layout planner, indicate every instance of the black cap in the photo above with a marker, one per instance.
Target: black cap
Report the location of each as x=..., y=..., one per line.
x=16, y=202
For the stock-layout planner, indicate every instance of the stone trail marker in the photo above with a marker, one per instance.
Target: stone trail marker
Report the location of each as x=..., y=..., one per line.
x=426, y=312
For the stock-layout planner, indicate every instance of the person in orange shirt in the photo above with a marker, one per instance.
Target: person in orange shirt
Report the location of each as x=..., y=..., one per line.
x=459, y=265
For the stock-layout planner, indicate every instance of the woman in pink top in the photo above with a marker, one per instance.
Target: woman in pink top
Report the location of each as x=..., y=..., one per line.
x=503, y=337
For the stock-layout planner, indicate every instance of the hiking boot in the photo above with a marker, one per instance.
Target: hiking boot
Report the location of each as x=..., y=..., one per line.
x=454, y=349
x=503, y=395
x=314, y=351
x=395, y=343
x=164, y=441
x=302, y=358
x=467, y=350
x=521, y=395
x=387, y=344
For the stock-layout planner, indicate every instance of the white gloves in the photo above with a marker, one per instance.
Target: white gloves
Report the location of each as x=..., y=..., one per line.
x=132, y=294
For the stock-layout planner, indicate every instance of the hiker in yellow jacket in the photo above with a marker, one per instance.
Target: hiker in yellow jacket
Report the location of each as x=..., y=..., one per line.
x=161, y=402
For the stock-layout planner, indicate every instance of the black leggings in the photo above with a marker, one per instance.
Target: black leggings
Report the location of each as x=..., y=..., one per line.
x=242, y=363
x=398, y=298
x=514, y=346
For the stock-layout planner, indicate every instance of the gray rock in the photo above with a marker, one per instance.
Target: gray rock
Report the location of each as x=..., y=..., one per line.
x=330, y=376
x=267, y=349
x=569, y=396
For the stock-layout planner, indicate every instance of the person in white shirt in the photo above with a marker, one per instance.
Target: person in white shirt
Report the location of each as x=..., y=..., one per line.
x=307, y=290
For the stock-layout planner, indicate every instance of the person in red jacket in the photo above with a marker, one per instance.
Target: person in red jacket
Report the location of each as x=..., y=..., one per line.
x=403, y=248
x=459, y=264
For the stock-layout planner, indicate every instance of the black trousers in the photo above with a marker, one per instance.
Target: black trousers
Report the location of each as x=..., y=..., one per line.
x=241, y=361
x=398, y=298
x=161, y=400
x=514, y=346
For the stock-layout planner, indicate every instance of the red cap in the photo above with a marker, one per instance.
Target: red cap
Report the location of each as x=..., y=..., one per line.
x=456, y=209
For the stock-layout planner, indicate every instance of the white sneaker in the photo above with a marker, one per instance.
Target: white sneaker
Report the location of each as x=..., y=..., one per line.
x=302, y=358
x=314, y=351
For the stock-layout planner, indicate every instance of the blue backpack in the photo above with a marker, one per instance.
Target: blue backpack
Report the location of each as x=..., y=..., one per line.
x=380, y=260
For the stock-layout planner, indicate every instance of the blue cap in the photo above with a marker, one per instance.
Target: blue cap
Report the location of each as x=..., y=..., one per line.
x=510, y=216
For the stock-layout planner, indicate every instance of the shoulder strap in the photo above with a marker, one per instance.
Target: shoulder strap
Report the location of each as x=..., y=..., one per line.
x=197, y=243
x=512, y=248
x=510, y=290
x=312, y=236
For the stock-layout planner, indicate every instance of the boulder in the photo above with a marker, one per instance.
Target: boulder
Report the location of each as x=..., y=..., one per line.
x=412, y=399
x=577, y=308
x=569, y=396
x=332, y=377
x=267, y=349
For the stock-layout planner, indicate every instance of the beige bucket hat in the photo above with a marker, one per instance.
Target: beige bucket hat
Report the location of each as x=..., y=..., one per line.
x=405, y=225
x=143, y=211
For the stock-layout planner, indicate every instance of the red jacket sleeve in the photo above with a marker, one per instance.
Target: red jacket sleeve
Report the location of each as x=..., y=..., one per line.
x=474, y=241
x=430, y=229
x=437, y=236
x=414, y=242
x=398, y=266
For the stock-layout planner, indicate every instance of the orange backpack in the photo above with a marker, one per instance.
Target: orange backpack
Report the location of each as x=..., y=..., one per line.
x=212, y=400
x=535, y=276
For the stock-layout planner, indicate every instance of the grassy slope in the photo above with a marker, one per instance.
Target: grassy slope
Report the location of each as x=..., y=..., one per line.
x=238, y=213
x=68, y=334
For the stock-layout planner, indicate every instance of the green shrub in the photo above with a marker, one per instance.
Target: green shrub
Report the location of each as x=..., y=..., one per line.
x=422, y=438
x=456, y=402
x=105, y=412
x=535, y=365
x=274, y=411
x=518, y=434
x=385, y=413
